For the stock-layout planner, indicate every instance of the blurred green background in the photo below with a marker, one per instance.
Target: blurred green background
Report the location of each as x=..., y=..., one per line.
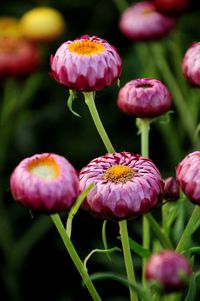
x=33, y=262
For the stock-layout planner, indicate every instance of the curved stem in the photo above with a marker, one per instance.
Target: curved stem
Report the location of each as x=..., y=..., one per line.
x=75, y=258
x=89, y=100
x=189, y=229
x=127, y=257
x=75, y=208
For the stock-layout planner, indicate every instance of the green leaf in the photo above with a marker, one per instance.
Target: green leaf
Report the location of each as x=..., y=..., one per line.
x=70, y=101
x=191, y=250
x=139, y=290
x=192, y=289
x=156, y=228
x=165, y=118
x=138, y=249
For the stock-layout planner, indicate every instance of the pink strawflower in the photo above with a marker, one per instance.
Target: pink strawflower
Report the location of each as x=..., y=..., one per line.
x=46, y=182
x=18, y=57
x=171, y=189
x=191, y=64
x=170, y=269
x=125, y=186
x=188, y=176
x=86, y=64
x=144, y=98
x=141, y=21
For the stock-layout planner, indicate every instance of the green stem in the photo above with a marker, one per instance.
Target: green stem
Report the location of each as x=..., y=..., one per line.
x=163, y=238
x=89, y=100
x=127, y=257
x=144, y=130
x=75, y=258
x=185, y=115
x=189, y=229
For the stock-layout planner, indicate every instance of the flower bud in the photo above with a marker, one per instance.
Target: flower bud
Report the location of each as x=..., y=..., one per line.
x=188, y=176
x=191, y=64
x=45, y=183
x=144, y=98
x=171, y=189
x=125, y=186
x=170, y=269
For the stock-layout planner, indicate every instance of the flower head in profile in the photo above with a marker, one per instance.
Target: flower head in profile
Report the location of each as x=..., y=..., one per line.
x=188, y=176
x=170, y=269
x=191, y=64
x=125, y=186
x=18, y=57
x=45, y=183
x=86, y=64
x=42, y=24
x=141, y=21
x=144, y=98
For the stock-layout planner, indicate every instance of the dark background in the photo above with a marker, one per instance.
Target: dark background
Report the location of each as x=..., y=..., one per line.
x=33, y=262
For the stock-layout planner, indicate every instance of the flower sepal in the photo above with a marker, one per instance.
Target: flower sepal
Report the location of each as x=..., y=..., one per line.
x=71, y=99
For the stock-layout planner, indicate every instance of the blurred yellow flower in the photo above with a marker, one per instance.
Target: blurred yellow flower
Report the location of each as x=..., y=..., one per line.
x=9, y=26
x=42, y=24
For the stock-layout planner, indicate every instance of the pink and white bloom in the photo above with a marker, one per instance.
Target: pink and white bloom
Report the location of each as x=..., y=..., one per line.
x=141, y=21
x=170, y=269
x=86, y=64
x=188, y=176
x=45, y=182
x=191, y=64
x=144, y=98
x=125, y=186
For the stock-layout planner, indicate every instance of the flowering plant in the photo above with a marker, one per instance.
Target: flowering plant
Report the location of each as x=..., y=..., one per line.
x=124, y=188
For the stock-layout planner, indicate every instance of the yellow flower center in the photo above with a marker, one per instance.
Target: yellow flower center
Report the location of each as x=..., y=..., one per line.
x=86, y=47
x=147, y=11
x=119, y=174
x=44, y=168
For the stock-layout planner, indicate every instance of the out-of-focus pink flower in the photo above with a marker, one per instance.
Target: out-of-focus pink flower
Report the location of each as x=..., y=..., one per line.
x=191, y=64
x=46, y=182
x=171, y=6
x=188, y=176
x=170, y=269
x=17, y=57
x=144, y=98
x=125, y=186
x=86, y=64
x=141, y=21
x=171, y=189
